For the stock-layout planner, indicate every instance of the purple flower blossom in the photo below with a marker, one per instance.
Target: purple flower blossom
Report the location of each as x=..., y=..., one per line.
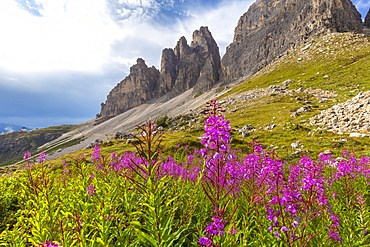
x=49, y=244
x=295, y=224
x=204, y=241
x=26, y=155
x=65, y=171
x=95, y=156
x=284, y=229
x=216, y=228
x=334, y=236
x=42, y=158
x=91, y=190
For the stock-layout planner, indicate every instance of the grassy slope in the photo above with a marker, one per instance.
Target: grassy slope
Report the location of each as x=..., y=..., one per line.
x=345, y=58
x=28, y=142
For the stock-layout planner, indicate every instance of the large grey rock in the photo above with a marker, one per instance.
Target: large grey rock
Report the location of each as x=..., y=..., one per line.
x=270, y=28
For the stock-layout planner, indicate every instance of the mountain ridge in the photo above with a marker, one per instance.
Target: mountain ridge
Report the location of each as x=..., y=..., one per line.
x=269, y=29
x=182, y=68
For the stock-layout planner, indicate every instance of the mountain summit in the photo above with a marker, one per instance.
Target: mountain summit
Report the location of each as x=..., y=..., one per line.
x=196, y=66
x=270, y=28
x=267, y=31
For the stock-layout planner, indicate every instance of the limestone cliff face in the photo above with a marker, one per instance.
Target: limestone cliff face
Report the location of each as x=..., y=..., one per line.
x=367, y=20
x=196, y=66
x=271, y=27
x=137, y=88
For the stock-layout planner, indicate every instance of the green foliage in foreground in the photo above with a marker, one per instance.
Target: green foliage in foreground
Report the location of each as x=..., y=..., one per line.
x=211, y=197
x=13, y=145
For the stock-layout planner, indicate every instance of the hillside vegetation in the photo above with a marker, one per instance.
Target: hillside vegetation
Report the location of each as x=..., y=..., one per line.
x=13, y=145
x=322, y=73
x=245, y=170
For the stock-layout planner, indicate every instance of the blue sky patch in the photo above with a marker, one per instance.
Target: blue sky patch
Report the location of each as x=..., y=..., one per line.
x=31, y=6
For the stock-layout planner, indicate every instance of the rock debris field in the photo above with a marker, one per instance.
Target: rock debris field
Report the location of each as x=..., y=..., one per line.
x=348, y=117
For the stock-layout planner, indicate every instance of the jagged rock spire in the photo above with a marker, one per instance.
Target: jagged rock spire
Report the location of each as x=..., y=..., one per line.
x=196, y=66
x=137, y=88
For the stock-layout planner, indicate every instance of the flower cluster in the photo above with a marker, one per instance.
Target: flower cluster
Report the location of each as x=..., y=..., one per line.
x=294, y=202
x=49, y=244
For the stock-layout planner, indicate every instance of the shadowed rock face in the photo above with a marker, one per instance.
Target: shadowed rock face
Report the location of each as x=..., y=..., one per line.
x=196, y=66
x=137, y=88
x=270, y=28
x=367, y=20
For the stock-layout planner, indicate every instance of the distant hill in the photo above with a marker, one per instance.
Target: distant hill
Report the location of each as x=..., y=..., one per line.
x=8, y=127
x=14, y=144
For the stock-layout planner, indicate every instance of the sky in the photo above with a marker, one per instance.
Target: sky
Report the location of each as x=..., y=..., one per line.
x=59, y=59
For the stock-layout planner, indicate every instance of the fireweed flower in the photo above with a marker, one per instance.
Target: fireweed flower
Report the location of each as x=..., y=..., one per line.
x=233, y=231
x=91, y=191
x=42, y=158
x=204, y=241
x=26, y=155
x=95, y=156
x=284, y=229
x=49, y=244
x=65, y=171
x=216, y=228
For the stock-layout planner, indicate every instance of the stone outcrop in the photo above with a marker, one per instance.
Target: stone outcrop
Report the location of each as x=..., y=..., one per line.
x=367, y=20
x=270, y=28
x=137, y=88
x=196, y=66
x=350, y=116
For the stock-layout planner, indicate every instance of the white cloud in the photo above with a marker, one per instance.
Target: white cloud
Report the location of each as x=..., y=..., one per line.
x=72, y=52
x=9, y=129
x=72, y=35
x=79, y=34
x=362, y=4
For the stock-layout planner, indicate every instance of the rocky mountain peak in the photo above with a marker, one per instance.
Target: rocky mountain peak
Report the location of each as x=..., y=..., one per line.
x=203, y=38
x=137, y=88
x=140, y=61
x=182, y=48
x=185, y=67
x=270, y=28
x=367, y=19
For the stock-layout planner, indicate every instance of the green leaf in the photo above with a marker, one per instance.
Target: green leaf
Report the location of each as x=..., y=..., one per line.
x=146, y=238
